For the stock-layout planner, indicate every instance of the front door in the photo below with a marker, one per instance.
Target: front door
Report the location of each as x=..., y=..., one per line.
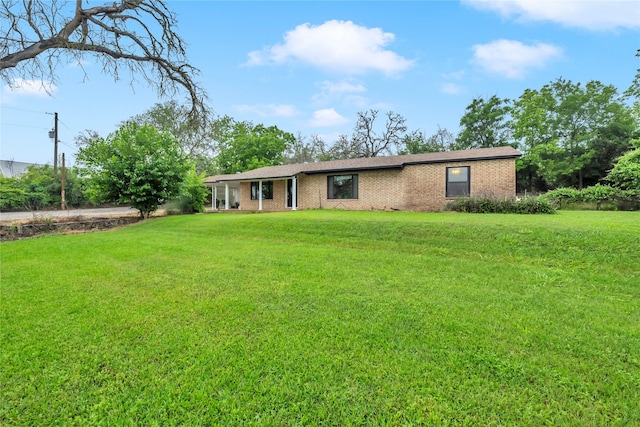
x=290, y=193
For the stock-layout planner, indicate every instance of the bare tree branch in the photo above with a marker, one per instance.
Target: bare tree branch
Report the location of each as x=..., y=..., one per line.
x=140, y=35
x=372, y=144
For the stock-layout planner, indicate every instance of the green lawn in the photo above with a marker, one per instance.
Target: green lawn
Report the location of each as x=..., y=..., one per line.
x=326, y=318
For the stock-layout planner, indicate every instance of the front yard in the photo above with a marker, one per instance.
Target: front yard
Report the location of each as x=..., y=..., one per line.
x=326, y=317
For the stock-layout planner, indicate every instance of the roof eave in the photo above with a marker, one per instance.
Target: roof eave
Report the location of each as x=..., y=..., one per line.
x=464, y=159
x=361, y=168
x=254, y=178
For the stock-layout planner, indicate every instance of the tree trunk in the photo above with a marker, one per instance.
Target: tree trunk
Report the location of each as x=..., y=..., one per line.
x=580, y=179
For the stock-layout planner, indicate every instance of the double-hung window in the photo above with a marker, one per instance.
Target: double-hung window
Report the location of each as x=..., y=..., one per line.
x=267, y=190
x=458, y=182
x=342, y=187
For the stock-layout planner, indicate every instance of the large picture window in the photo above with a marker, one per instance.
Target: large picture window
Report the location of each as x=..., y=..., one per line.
x=267, y=190
x=458, y=182
x=342, y=187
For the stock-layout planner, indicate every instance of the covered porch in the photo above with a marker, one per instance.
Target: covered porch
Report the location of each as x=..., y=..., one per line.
x=269, y=194
x=224, y=196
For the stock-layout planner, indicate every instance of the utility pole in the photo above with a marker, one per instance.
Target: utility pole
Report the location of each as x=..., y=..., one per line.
x=64, y=172
x=55, y=145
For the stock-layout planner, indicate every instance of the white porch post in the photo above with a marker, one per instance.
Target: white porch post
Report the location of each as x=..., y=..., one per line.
x=226, y=196
x=214, y=202
x=260, y=195
x=294, y=196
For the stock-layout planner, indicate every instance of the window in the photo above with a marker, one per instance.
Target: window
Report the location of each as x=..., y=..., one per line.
x=267, y=190
x=458, y=181
x=342, y=187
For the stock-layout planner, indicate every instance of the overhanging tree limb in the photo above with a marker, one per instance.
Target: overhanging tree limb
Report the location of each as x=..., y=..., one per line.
x=140, y=35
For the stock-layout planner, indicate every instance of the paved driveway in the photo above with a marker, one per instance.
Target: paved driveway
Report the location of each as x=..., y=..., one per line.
x=7, y=216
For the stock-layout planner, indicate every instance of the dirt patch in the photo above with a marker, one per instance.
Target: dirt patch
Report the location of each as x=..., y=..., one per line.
x=23, y=229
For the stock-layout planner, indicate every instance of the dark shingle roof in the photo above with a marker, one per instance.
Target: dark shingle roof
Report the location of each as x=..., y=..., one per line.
x=368, y=163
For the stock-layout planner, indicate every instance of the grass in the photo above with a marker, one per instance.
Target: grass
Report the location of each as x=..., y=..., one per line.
x=326, y=318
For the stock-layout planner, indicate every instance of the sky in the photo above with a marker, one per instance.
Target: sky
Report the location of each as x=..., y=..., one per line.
x=309, y=67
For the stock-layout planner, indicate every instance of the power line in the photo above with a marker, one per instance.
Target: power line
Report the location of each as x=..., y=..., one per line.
x=70, y=146
x=23, y=109
x=65, y=125
x=24, y=126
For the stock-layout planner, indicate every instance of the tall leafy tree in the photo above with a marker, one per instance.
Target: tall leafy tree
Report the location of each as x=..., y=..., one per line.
x=626, y=172
x=634, y=89
x=137, y=165
x=196, y=135
x=343, y=148
x=303, y=150
x=559, y=127
x=484, y=124
x=610, y=143
x=245, y=146
x=416, y=142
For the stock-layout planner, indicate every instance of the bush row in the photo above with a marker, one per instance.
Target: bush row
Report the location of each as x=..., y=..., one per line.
x=600, y=195
x=39, y=188
x=526, y=205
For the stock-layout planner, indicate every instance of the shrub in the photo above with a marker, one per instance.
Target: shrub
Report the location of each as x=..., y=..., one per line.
x=12, y=197
x=527, y=205
x=533, y=205
x=193, y=195
x=561, y=196
x=38, y=188
x=599, y=194
x=626, y=172
x=628, y=200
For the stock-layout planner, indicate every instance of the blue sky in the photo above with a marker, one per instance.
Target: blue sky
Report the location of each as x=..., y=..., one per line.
x=309, y=67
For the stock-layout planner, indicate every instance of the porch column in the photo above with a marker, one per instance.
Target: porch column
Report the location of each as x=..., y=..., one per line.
x=260, y=195
x=294, y=196
x=214, y=196
x=226, y=196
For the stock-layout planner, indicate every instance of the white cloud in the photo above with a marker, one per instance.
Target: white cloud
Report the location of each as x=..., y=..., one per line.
x=451, y=88
x=456, y=75
x=24, y=87
x=592, y=15
x=357, y=101
x=327, y=117
x=338, y=46
x=513, y=59
x=332, y=91
x=341, y=87
x=269, y=110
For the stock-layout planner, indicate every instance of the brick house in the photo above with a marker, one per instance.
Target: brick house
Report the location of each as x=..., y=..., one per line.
x=415, y=182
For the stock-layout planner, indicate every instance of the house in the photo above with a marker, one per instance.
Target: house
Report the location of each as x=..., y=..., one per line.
x=12, y=169
x=415, y=182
